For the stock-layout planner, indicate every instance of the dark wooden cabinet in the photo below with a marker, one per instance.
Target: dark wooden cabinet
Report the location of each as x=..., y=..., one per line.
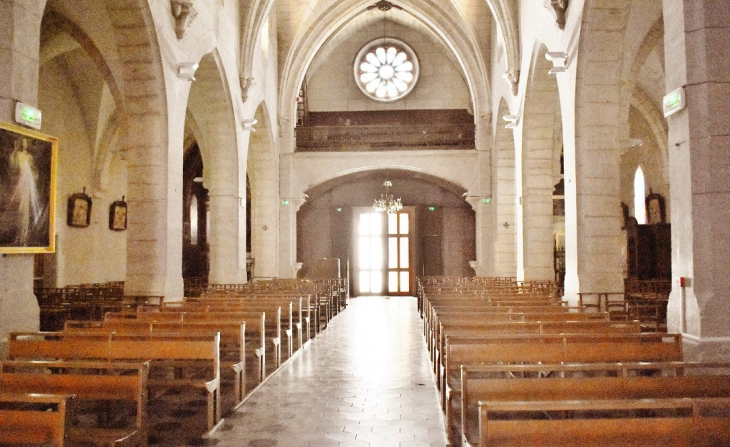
x=649, y=251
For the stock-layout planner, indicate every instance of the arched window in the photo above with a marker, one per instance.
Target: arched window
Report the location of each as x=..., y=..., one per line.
x=639, y=197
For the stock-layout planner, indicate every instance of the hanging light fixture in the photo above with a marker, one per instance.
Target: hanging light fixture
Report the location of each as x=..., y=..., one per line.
x=386, y=203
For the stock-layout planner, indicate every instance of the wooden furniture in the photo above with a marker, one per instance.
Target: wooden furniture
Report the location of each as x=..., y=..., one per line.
x=36, y=419
x=88, y=381
x=697, y=422
x=179, y=352
x=648, y=380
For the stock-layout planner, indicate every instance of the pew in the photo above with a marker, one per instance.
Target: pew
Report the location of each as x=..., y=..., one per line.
x=36, y=419
x=271, y=323
x=477, y=329
x=300, y=308
x=283, y=309
x=647, y=380
x=88, y=381
x=233, y=341
x=696, y=422
x=165, y=352
x=552, y=348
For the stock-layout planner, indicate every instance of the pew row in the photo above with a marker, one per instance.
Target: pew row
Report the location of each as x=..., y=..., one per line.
x=696, y=422
x=170, y=356
x=551, y=348
x=234, y=348
x=646, y=380
x=88, y=381
x=34, y=418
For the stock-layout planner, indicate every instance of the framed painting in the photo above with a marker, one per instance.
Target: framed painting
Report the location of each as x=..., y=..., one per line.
x=118, y=215
x=79, y=210
x=27, y=190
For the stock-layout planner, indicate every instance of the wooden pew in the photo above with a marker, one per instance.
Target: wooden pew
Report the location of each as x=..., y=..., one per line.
x=552, y=348
x=696, y=422
x=477, y=329
x=233, y=355
x=300, y=308
x=88, y=381
x=163, y=351
x=647, y=380
x=459, y=316
x=272, y=322
x=36, y=419
x=284, y=308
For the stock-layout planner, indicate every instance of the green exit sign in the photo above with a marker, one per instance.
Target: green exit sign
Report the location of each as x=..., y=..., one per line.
x=27, y=115
x=673, y=102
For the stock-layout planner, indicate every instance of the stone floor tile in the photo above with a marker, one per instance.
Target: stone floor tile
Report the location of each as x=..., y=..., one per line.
x=365, y=381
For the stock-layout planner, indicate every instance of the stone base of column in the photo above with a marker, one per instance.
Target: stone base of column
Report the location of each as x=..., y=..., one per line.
x=715, y=349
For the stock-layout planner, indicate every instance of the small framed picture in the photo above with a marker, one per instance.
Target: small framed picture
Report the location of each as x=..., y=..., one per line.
x=79, y=210
x=118, y=215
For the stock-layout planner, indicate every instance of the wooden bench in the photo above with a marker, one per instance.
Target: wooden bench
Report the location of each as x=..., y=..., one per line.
x=300, y=308
x=477, y=329
x=88, y=381
x=272, y=323
x=175, y=352
x=576, y=348
x=284, y=309
x=234, y=349
x=36, y=419
x=460, y=316
x=583, y=382
x=696, y=422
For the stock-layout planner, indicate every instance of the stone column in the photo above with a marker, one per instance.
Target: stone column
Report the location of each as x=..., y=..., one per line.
x=594, y=261
x=697, y=36
x=288, y=265
x=20, y=22
x=227, y=236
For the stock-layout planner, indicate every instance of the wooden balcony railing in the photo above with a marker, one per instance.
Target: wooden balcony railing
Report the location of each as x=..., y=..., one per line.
x=384, y=137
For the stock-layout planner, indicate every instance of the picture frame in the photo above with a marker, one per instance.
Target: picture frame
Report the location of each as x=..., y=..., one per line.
x=28, y=162
x=118, y=215
x=79, y=210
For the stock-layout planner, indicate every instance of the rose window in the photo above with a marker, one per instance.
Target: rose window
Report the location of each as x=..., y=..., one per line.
x=386, y=70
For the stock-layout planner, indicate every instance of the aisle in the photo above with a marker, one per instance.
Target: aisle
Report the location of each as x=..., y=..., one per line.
x=365, y=381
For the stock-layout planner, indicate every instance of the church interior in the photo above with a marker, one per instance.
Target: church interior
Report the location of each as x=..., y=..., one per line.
x=306, y=156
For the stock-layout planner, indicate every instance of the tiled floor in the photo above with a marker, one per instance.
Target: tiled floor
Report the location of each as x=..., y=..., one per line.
x=364, y=381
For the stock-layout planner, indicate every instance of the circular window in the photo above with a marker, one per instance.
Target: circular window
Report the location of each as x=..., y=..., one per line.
x=386, y=70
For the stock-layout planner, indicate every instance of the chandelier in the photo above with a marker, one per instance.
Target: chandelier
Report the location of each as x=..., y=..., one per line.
x=386, y=203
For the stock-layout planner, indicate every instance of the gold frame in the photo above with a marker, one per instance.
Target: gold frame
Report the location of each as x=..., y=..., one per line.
x=39, y=219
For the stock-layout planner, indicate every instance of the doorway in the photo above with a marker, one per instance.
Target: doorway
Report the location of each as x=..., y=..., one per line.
x=384, y=252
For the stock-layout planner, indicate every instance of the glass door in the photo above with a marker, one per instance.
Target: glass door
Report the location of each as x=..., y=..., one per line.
x=399, y=253
x=369, y=232
x=384, y=252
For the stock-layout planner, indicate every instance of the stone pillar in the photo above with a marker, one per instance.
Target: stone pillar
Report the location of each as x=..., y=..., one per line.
x=697, y=36
x=226, y=232
x=288, y=265
x=290, y=201
x=20, y=22
x=154, y=239
x=592, y=176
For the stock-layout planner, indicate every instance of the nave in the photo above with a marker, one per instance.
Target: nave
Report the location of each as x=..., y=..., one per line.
x=365, y=381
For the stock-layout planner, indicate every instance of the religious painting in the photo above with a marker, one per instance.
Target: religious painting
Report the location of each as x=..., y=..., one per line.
x=79, y=210
x=118, y=215
x=27, y=190
x=655, y=209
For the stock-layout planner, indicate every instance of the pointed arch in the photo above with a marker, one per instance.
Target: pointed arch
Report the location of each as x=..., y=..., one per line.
x=446, y=23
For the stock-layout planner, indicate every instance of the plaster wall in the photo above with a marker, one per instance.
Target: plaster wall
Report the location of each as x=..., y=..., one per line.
x=331, y=87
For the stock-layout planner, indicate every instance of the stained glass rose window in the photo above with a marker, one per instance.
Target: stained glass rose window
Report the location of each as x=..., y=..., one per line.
x=386, y=70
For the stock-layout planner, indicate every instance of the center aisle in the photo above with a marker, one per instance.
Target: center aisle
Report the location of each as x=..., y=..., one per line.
x=364, y=381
